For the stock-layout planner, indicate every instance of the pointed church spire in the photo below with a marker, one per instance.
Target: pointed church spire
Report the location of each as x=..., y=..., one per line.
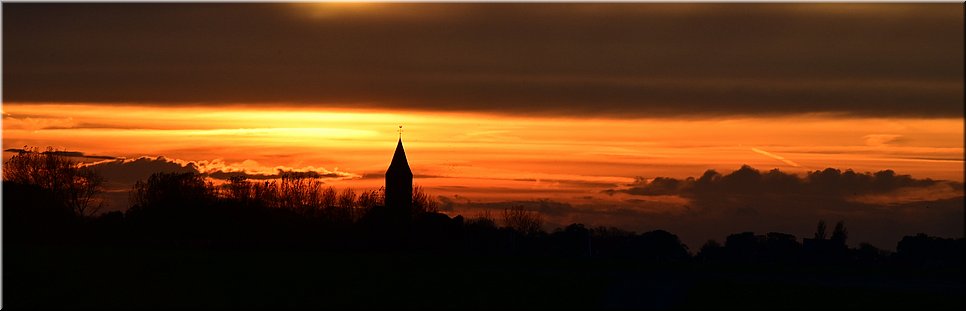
x=399, y=178
x=399, y=162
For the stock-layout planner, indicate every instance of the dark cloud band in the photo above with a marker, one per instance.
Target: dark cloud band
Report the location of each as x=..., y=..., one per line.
x=633, y=60
x=749, y=184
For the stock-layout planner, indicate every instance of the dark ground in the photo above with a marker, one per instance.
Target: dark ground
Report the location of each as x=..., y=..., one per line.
x=102, y=277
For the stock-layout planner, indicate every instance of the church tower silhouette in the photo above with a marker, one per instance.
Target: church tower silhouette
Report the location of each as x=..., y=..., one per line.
x=399, y=180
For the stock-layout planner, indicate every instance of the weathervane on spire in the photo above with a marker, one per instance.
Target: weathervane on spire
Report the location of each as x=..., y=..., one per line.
x=400, y=131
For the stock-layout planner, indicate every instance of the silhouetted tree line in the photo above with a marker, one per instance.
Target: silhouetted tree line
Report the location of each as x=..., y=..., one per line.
x=51, y=199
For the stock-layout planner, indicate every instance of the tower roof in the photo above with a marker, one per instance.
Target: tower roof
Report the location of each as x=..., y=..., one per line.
x=399, y=164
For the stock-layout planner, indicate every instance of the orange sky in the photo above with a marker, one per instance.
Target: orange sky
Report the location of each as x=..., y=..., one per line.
x=491, y=147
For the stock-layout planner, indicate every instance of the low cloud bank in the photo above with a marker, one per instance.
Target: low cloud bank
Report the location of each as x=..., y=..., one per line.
x=121, y=174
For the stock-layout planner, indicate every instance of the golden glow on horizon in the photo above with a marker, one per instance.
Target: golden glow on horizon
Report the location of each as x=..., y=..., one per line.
x=540, y=152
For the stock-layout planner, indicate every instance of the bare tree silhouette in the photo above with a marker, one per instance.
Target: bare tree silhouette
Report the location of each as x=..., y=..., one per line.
x=423, y=202
x=77, y=188
x=522, y=220
x=368, y=200
x=346, y=204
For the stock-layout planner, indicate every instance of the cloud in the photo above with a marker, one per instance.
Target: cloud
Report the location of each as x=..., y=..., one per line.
x=125, y=172
x=750, y=183
x=879, y=207
x=33, y=123
x=278, y=174
x=65, y=153
x=621, y=60
x=132, y=170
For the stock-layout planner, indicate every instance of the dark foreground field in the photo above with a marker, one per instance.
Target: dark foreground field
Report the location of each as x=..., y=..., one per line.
x=125, y=278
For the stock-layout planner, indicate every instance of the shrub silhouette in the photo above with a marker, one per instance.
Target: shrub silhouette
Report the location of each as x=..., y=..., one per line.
x=484, y=219
x=573, y=240
x=820, y=233
x=711, y=251
x=661, y=246
x=925, y=250
x=840, y=234
x=747, y=247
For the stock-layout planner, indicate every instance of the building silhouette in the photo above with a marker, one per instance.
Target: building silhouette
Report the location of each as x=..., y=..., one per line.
x=399, y=180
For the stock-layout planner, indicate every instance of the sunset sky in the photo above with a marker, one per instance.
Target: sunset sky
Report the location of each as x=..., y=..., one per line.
x=572, y=110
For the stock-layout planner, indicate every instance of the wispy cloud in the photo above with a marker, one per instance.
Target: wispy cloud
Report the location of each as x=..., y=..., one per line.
x=776, y=157
x=879, y=140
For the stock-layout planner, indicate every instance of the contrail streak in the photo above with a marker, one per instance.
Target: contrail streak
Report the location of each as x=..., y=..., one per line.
x=776, y=157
